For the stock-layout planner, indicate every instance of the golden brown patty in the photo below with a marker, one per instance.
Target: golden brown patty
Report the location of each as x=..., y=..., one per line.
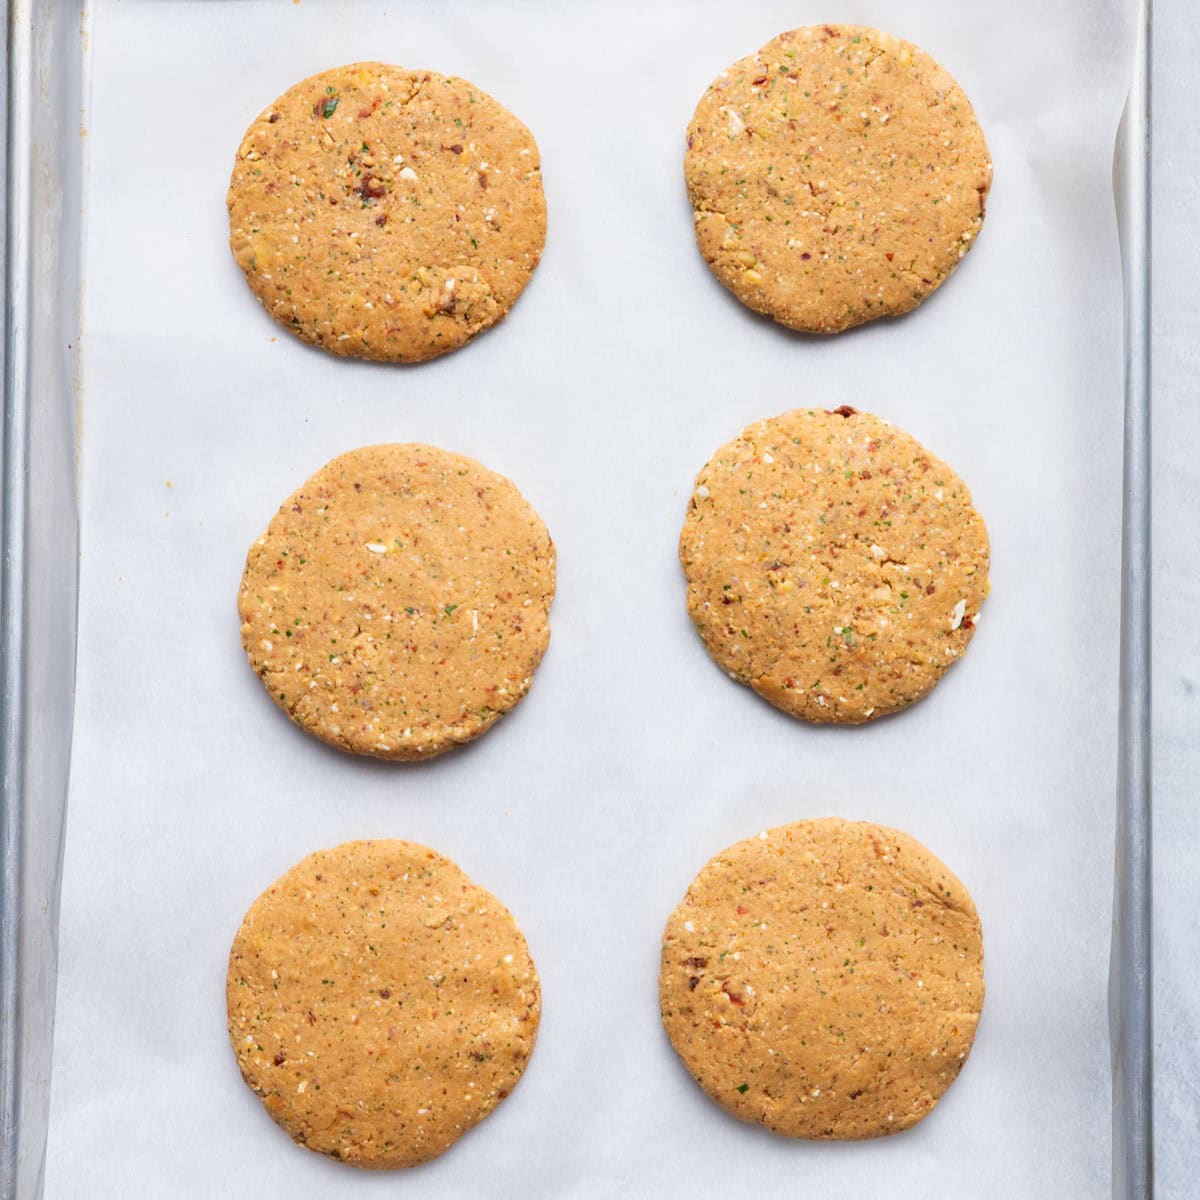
x=833, y=564
x=836, y=176
x=398, y=603
x=385, y=213
x=380, y=1003
x=824, y=979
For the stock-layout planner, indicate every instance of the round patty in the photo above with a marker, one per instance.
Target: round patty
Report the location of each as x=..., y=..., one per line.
x=824, y=979
x=399, y=602
x=833, y=564
x=836, y=176
x=385, y=213
x=380, y=1003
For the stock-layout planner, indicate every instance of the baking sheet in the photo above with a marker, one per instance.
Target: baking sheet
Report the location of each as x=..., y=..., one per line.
x=588, y=809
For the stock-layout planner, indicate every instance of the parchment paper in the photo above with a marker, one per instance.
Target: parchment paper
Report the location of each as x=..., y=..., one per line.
x=633, y=760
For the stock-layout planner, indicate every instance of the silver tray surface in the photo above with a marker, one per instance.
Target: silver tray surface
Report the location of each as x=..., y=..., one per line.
x=46, y=64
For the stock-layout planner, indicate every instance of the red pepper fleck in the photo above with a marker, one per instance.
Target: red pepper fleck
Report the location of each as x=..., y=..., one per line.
x=483, y=179
x=742, y=911
x=890, y=256
x=381, y=220
x=273, y=118
x=279, y=1060
x=368, y=189
x=456, y=148
x=385, y=994
x=759, y=81
x=843, y=410
x=930, y=590
x=805, y=256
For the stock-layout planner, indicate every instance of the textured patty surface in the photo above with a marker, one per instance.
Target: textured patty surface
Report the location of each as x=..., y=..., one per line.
x=824, y=979
x=380, y=1003
x=836, y=176
x=398, y=603
x=833, y=564
x=385, y=213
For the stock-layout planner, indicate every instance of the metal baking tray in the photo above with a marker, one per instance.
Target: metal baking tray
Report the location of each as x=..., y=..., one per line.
x=47, y=63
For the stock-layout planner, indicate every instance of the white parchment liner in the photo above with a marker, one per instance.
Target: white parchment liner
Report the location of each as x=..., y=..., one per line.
x=633, y=760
